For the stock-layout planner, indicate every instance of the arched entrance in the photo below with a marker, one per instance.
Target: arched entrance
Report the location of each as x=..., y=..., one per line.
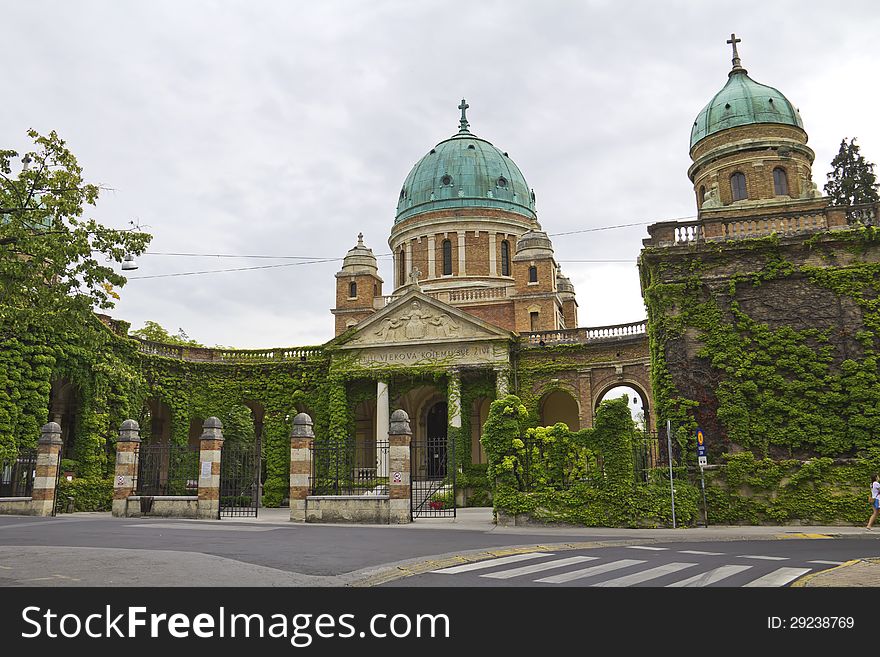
x=638, y=402
x=435, y=454
x=560, y=406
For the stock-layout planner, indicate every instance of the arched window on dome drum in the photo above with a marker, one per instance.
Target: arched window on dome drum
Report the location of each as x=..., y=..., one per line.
x=352, y=290
x=702, y=195
x=533, y=274
x=780, y=182
x=447, y=258
x=738, y=186
x=401, y=267
x=505, y=258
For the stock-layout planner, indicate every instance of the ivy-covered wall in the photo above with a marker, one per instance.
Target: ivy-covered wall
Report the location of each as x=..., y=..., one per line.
x=769, y=345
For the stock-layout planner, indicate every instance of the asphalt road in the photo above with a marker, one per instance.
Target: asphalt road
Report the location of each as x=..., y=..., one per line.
x=98, y=550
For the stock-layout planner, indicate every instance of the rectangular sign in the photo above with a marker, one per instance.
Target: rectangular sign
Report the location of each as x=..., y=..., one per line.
x=206, y=468
x=701, y=443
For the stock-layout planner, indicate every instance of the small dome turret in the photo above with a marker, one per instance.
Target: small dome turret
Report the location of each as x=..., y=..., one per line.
x=534, y=244
x=360, y=259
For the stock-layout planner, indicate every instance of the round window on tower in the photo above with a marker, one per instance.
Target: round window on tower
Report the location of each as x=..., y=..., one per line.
x=446, y=180
x=502, y=182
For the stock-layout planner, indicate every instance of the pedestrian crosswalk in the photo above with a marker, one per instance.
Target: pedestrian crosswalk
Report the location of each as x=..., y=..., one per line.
x=657, y=568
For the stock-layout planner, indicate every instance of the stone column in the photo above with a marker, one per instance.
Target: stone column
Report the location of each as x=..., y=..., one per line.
x=124, y=483
x=454, y=398
x=301, y=439
x=461, y=253
x=493, y=257
x=409, y=262
x=46, y=476
x=382, y=424
x=502, y=382
x=432, y=254
x=399, y=490
x=210, y=450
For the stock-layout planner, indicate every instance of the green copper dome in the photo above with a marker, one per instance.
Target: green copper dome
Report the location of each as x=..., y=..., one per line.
x=465, y=171
x=743, y=101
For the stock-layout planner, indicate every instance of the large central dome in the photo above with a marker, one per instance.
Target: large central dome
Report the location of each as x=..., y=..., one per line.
x=465, y=171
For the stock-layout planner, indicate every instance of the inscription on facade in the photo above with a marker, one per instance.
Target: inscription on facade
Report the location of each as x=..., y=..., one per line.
x=454, y=355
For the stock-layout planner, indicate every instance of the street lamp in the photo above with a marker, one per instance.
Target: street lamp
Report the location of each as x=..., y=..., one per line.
x=129, y=263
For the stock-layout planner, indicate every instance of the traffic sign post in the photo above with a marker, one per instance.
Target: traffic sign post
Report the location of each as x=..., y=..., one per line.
x=702, y=460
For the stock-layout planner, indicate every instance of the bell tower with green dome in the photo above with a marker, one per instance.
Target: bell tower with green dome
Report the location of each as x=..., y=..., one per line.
x=749, y=147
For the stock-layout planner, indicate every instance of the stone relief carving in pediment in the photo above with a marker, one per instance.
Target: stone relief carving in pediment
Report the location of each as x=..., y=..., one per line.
x=414, y=323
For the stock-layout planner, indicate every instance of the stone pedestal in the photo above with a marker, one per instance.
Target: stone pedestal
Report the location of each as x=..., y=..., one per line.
x=301, y=439
x=125, y=476
x=399, y=483
x=210, y=451
x=48, y=451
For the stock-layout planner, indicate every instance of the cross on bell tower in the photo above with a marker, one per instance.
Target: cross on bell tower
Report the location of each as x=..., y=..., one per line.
x=737, y=65
x=463, y=123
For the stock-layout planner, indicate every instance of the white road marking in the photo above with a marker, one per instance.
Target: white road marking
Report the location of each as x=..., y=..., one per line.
x=591, y=571
x=501, y=561
x=538, y=567
x=645, y=547
x=711, y=554
x=779, y=577
x=827, y=563
x=758, y=556
x=710, y=577
x=645, y=575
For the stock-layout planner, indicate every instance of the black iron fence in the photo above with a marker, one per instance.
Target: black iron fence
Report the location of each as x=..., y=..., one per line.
x=17, y=474
x=167, y=469
x=350, y=469
x=432, y=477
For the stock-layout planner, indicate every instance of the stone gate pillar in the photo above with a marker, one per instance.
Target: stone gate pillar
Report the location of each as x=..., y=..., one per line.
x=46, y=476
x=382, y=424
x=124, y=481
x=301, y=440
x=399, y=484
x=210, y=452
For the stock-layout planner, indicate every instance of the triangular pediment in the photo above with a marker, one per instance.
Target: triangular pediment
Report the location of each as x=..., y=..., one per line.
x=417, y=318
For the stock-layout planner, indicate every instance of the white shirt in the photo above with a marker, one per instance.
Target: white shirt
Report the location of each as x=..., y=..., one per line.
x=875, y=490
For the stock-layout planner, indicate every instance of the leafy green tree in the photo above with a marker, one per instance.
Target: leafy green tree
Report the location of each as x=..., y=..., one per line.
x=852, y=180
x=53, y=260
x=156, y=333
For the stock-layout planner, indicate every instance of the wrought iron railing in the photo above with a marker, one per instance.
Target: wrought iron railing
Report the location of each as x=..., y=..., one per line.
x=17, y=474
x=167, y=469
x=350, y=469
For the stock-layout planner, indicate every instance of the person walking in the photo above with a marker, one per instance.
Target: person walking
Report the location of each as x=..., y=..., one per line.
x=875, y=500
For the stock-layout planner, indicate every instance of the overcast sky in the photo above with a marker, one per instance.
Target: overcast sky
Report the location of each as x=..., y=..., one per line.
x=281, y=128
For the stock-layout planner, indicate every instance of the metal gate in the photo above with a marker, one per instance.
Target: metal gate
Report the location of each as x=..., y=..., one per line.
x=432, y=472
x=239, y=480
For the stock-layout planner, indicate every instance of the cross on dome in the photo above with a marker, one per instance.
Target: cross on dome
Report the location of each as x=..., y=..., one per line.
x=737, y=65
x=463, y=123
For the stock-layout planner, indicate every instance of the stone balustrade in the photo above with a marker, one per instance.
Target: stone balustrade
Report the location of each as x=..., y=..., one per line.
x=718, y=226
x=215, y=355
x=587, y=334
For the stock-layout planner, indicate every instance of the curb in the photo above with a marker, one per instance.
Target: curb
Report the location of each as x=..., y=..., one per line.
x=802, y=581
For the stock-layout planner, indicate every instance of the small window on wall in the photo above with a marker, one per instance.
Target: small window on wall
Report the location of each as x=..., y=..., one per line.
x=738, y=187
x=533, y=321
x=401, y=266
x=447, y=258
x=352, y=290
x=780, y=182
x=505, y=258
x=533, y=274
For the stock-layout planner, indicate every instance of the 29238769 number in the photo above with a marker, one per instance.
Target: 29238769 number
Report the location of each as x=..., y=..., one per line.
x=811, y=623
